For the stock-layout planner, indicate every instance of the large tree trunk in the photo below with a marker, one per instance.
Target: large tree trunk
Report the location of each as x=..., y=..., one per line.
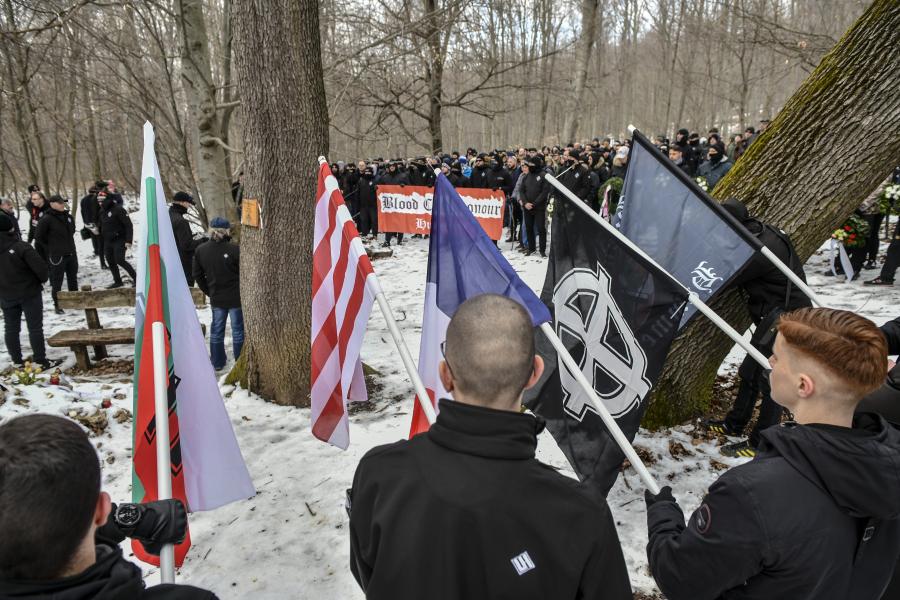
x=213, y=177
x=582, y=63
x=434, y=74
x=790, y=177
x=279, y=71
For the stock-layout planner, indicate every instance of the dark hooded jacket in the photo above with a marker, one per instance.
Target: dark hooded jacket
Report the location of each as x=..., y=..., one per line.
x=713, y=171
x=184, y=238
x=110, y=578
x=217, y=267
x=535, y=189
x=767, y=287
x=115, y=224
x=813, y=516
x=466, y=512
x=22, y=270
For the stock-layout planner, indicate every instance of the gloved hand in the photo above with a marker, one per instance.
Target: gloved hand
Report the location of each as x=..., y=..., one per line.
x=664, y=495
x=162, y=522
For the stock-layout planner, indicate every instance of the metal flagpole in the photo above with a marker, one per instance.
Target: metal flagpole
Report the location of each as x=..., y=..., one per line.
x=692, y=297
x=163, y=456
x=600, y=409
x=375, y=287
x=777, y=262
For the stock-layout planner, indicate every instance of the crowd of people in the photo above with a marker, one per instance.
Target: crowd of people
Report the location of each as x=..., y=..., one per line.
x=48, y=253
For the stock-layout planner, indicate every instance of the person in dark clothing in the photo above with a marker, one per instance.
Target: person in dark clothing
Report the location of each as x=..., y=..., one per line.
x=36, y=207
x=184, y=237
x=576, y=177
x=456, y=176
x=513, y=208
x=816, y=513
x=891, y=261
x=112, y=192
x=480, y=177
x=682, y=143
x=237, y=190
x=56, y=233
x=461, y=483
x=61, y=533
x=7, y=207
x=217, y=271
x=769, y=293
x=676, y=155
x=90, y=216
x=368, y=203
x=534, y=195
x=22, y=271
x=117, y=231
x=716, y=165
x=393, y=176
x=498, y=177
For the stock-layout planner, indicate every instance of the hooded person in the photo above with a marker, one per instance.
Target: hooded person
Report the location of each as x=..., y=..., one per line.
x=368, y=202
x=118, y=232
x=716, y=165
x=185, y=240
x=815, y=514
x=534, y=196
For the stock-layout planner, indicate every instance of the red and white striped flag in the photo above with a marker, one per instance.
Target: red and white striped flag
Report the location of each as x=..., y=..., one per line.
x=344, y=288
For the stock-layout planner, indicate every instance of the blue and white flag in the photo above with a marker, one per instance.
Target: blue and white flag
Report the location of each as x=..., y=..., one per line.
x=690, y=235
x=463, y=262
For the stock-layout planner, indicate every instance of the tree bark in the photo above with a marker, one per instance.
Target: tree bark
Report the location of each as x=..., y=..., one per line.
x=788, y=177
x=434, y=74
x=279, y=71
x=213, y=177
x=582, y=63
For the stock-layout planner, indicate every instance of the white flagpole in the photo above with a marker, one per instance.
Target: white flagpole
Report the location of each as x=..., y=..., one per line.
x=163, y=456
x=692, y=297
x=779, y=264
x=375, y=287
x=600, y=409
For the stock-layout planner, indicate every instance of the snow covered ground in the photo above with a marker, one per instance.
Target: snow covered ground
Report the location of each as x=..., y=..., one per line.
x=290, y=541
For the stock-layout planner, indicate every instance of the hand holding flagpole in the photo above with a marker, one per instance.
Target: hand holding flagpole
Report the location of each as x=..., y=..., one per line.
x=163, y=455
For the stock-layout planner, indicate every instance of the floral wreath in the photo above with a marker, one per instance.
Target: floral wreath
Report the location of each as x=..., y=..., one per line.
x=854, y=233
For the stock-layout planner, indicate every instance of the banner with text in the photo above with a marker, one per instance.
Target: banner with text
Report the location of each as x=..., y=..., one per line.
x=407, y=209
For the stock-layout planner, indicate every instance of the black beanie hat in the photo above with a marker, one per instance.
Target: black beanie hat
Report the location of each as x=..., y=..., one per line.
x=6, y=222
x=183, y=197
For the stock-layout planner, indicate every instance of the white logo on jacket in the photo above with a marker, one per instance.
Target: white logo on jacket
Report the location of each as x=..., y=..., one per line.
x=522, y=563
x=592, y=327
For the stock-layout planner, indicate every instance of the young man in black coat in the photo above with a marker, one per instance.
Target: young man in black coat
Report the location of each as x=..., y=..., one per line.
x=7, y=207
x=815, y=514
x=217, y=271
x=22, y=271
x=465, y=510
x=184, y=237
x=117, y=231
x=393, y=176
x=61, y=533
x=36, y=207
x=56, y=232
x=769, y=293
x=368, y=203
x=90, y=216
x=533, y=196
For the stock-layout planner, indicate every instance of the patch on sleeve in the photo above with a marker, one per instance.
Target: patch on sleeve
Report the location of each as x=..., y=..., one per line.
x=702, y=519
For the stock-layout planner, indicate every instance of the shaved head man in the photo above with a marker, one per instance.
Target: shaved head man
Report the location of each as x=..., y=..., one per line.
x=465, y=510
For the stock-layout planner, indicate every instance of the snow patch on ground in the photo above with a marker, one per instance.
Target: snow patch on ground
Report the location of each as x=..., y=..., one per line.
x=291, y=540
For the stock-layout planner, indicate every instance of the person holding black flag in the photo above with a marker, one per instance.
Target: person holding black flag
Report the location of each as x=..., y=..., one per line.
x=769, y=293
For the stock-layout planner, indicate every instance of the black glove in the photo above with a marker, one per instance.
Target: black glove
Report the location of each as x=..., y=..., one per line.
x=158, y=523
x=664, y=495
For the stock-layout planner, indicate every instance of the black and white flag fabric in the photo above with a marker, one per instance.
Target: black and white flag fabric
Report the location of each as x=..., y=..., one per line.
x=666, y=214
x=617, y=315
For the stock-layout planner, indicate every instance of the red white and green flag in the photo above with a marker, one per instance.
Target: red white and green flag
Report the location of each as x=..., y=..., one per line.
x=208, y=469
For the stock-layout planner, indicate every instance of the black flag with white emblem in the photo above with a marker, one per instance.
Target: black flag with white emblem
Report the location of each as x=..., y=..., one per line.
x=617, y=315
x=666, y=214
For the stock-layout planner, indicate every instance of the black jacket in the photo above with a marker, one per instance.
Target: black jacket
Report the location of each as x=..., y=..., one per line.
x=15, y=222
x=458, y=180
x=110, y=578
x=217, y=271
x=22, y=270
x=365, y=192
x=813, y=516
x=184, y=237
x=395, y=178
x=577, y=180
x=480, y=177
x=767, y=287
x=448, y=515
x=90, y=209
x=115, y=224
x=35, y=213
x=886, y=400
x=535, y=190
x=498, y=178
x=56, y=231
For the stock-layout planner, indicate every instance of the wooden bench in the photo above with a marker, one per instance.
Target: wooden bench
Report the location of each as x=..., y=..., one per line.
x=96, y=335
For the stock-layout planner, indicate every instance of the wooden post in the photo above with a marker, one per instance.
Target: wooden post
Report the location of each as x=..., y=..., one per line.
x=93, y=322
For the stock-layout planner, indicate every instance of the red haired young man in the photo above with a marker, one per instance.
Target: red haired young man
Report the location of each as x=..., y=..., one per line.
x=815, y=514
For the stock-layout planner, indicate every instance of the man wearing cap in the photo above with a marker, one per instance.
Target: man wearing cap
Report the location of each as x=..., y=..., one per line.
x=480, y=177
x=117, y=231
x=184, y=237
x=534, y=196
x=56, y=231
x=216, y=268
x=22, y=271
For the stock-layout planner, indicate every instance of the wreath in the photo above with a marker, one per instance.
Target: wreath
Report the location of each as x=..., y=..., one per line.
x=853, y=233
x=614, y=185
